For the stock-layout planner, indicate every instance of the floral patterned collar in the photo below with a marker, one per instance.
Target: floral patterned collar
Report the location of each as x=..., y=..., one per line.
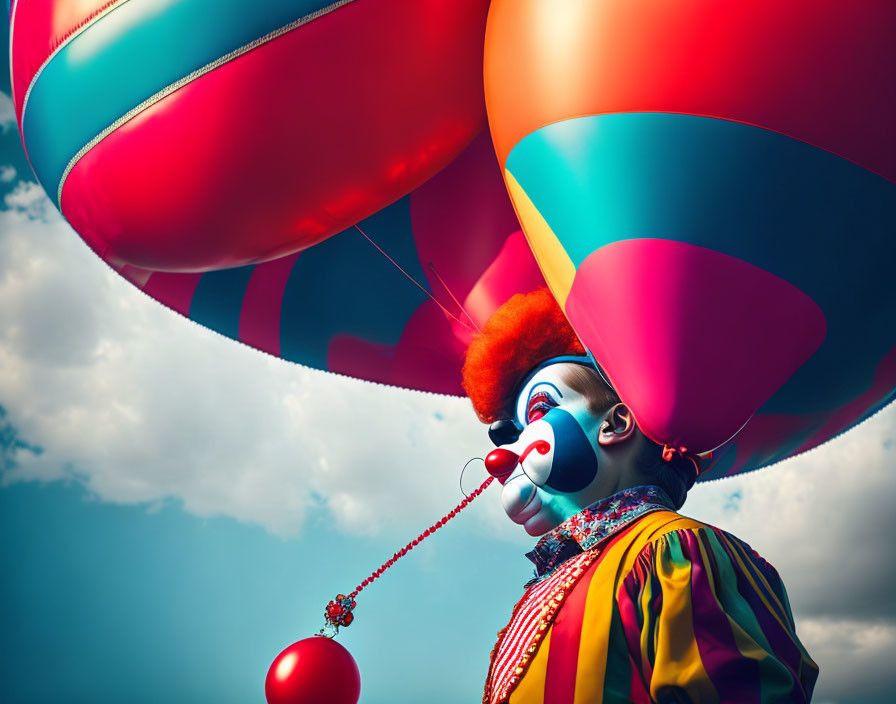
x=594, y=523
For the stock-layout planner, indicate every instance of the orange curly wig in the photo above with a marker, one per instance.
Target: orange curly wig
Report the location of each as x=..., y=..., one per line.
x=528, y=329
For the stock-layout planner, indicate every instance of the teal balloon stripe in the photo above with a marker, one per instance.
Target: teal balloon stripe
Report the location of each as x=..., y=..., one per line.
x=815, y=219
x=345, y=286
x=218, y=300
x=132, y=56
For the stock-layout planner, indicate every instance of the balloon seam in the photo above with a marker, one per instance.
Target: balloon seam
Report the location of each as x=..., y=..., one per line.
x=189, y=78
x=12, y=26
x=68, y=39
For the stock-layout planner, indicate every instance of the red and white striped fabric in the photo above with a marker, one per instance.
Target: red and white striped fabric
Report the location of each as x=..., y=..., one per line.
x=529, y=622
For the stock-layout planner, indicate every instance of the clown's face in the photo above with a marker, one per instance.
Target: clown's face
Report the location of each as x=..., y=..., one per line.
x=550, y=472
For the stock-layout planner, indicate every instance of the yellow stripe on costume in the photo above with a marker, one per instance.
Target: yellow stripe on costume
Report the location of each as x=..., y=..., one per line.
x=615, y=565
x=647, y=633
x=530, y=689
x=677, y=661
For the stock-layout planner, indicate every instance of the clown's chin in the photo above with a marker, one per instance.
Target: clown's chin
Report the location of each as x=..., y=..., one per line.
x=539, y=524
x=531, y=515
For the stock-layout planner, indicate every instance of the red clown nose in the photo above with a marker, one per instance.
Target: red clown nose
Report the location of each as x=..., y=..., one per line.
x=315, y=670
x=500, y=463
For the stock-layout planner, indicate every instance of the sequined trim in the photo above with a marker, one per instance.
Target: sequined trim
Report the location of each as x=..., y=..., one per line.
x=508, y=672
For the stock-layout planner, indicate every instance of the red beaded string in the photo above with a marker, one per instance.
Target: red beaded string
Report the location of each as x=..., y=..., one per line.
x=425, y=534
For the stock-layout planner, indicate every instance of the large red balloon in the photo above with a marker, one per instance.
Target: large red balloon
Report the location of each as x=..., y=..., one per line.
x=315, y=670
x=401, y=311
x=273, y=128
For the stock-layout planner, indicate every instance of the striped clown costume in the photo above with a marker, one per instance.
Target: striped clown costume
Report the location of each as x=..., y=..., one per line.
x=630, y=601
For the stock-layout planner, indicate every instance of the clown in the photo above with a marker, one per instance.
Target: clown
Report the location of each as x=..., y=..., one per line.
x=630, y=601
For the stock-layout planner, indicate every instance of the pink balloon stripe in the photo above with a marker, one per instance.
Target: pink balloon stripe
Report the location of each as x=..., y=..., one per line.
x=262, y=303
x=174, y=290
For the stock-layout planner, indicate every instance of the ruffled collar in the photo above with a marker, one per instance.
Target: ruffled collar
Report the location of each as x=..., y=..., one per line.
x=600, y=520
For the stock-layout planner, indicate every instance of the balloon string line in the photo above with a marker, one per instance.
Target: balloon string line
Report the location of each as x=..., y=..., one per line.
x=425, y=534
x=453, y=297
x=413, y=280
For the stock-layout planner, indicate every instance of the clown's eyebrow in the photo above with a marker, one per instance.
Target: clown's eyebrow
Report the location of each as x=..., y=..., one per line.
x=544, y=383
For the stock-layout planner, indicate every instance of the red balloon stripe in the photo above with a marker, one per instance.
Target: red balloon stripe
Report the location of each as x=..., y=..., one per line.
x=425, y=534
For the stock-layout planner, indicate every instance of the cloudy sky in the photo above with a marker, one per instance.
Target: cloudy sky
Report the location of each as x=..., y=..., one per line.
x=175, y=507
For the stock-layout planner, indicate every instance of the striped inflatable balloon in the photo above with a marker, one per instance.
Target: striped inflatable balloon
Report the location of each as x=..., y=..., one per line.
x=396, y=300
x=190, y=135
x=708, y=188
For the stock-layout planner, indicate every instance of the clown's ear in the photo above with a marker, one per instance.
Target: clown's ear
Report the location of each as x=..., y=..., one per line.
x=618, y=426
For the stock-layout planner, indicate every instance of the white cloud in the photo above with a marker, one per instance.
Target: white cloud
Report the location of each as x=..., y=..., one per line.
x=855, y=658
x=7, y=173
x=144, y=405
x=7, y=113
x=29, y=199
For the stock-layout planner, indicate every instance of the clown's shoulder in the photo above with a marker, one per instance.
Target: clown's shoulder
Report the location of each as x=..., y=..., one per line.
x=675, y=535
x=669, y=609
x=704, y=615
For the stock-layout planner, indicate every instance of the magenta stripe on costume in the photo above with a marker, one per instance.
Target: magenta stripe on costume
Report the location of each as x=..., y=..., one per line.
x=262, y=303
x=638, y=690
x=629, y=603
x=174, y=290
x=779, y=640
x=715, y=641
x=629, y=599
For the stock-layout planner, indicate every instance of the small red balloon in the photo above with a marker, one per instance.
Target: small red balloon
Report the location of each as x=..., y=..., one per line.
x=315, y=670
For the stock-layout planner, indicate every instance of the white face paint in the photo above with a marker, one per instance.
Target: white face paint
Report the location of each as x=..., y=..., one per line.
x=557, y=452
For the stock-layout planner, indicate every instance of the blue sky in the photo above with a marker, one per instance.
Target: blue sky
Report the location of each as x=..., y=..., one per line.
x=176, y=508
x=112, y=603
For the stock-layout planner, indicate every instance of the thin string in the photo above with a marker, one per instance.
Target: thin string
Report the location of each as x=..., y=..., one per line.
x=413, y=280
x=425, y=534
x=453, y=297
x=461, y=480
